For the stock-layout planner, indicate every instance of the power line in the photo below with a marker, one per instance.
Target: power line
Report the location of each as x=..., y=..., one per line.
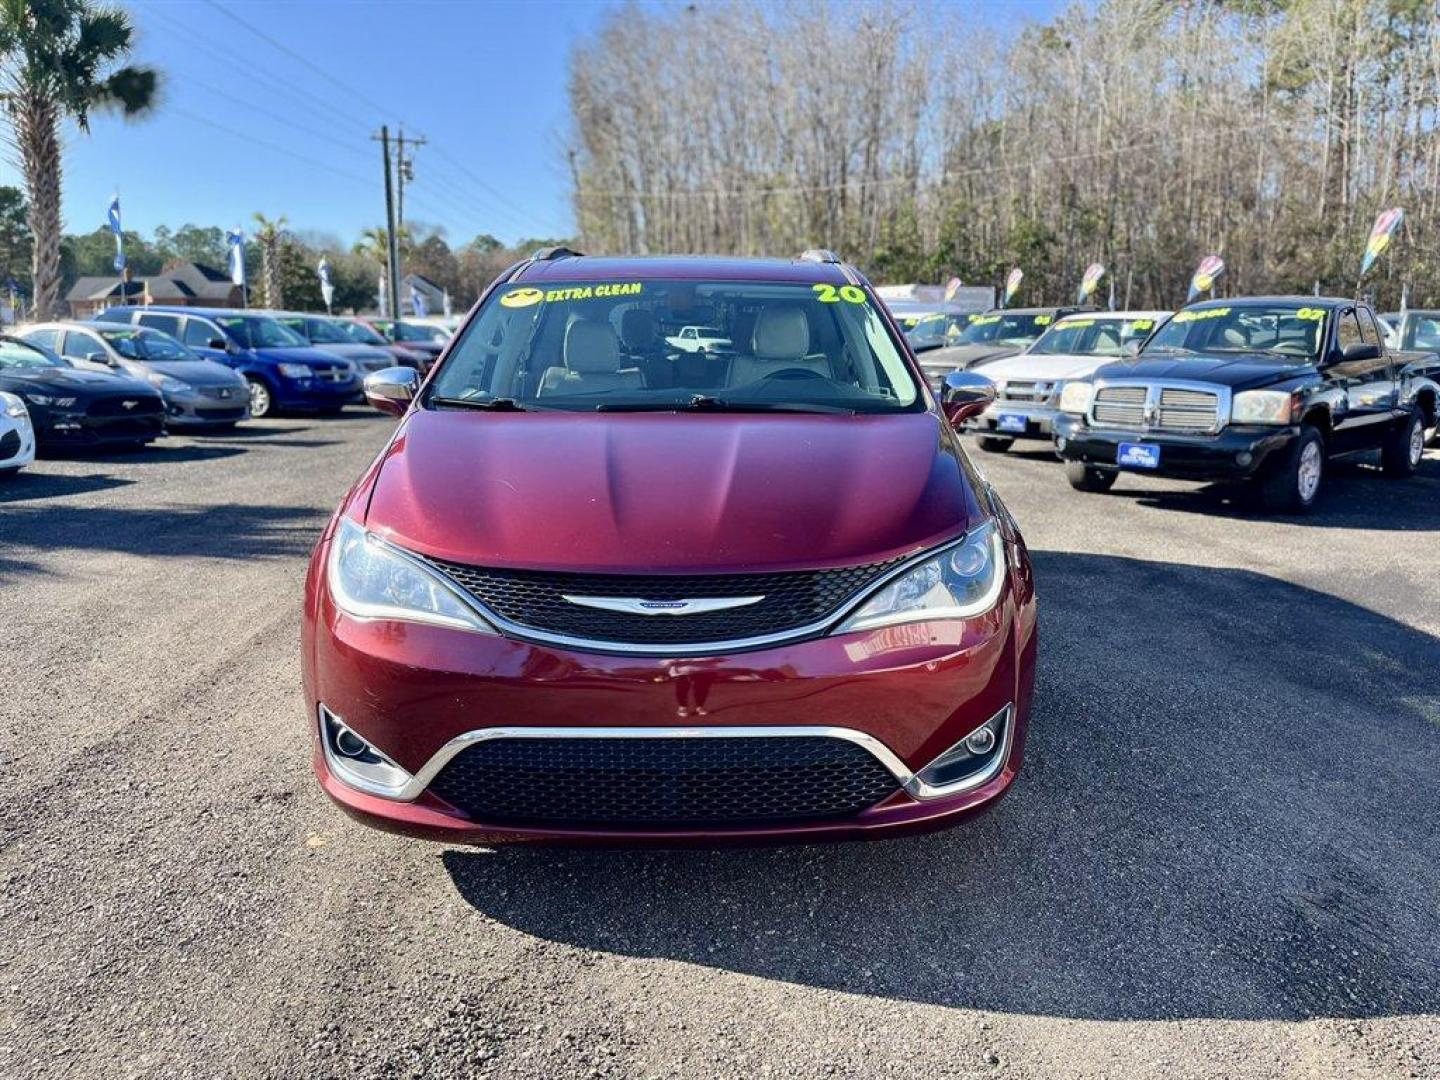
x=276, y=147
x=279, y=118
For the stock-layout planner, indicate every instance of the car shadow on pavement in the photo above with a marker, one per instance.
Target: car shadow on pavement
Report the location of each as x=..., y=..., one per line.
x=1227, y=810
x=143, y=455
x=1356, y=496
x=29, y=484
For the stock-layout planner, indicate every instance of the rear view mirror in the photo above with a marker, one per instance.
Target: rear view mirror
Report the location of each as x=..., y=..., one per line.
x=1360, y=351
x=392, y=389
x=966, y=394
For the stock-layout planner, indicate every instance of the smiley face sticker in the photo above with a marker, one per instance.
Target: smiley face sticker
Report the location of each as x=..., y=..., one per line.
x=522, y=297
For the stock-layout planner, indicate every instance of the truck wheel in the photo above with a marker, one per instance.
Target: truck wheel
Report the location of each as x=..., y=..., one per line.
x=1400, y=453
x=1084, y=478
x=1294, y=484
x=262, y=402
x=991, y=445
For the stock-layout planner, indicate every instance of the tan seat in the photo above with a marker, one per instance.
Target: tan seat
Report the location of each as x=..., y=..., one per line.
x=780, y=340
x=592, y=362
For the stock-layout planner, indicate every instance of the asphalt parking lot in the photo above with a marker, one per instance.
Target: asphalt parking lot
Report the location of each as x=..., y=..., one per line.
x=1222, y=858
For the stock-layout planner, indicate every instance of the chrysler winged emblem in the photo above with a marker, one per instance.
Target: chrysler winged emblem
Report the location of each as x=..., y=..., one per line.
x=635, y=606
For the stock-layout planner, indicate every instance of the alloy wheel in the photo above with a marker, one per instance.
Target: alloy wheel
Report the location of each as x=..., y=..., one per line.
x=1311, y=467
x=1417, y=442
x=259, y=398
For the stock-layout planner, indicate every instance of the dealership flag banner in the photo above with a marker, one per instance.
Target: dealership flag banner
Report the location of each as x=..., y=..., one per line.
x=1093, y=273
x=327, y=290
x=417, y=302
x=114, y=218
x=951, y=288
x=1012, y=285
x=236, y=239
x=1380, y=236
x=1210, y=268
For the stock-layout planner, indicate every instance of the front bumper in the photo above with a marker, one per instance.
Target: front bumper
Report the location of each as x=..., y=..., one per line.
x=1039, y=420
x=206, y=410
x=1235, y=453
x=59, y=429
x=305, y=394
x=17, y=444
x=416, y=692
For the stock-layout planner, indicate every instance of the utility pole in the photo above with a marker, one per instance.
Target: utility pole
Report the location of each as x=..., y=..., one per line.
x=404, y=171
x=392, y=274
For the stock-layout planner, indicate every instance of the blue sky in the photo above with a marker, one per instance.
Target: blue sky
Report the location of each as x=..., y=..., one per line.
x=483, y=80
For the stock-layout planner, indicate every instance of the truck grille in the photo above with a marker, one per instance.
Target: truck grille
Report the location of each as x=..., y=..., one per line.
x=677, y=782
x=1120, y=406
x=1171, y=408
x=1187, y=410
x=333, y=374
x=1031, y=391
x=536, y=599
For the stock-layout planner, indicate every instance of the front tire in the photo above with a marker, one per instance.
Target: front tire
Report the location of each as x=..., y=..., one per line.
x=262, y=402
x=1404, y=446
x=1083, y=477
x=1294, y=485
x=991, y=445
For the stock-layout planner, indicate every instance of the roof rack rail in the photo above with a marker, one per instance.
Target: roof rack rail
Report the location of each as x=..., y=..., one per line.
x=820, y=255
x=551, y=253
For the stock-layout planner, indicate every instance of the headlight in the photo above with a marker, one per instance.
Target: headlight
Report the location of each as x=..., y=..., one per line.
x=1262, y=407
x=296, y=371
x=13, y=406
x=1076, y=397
x=372, y=580
x=166, y=385
x=962, y=581
x=48, y=399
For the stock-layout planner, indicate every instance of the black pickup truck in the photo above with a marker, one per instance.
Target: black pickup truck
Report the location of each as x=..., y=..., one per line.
x=1265, y=389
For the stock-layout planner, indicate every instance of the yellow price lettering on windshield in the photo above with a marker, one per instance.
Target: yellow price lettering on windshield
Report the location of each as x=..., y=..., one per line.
x=1142, y=324
x=1205, y=313
x=1074, y=324
x=521, y=297
x=1314, y=313
x=1044, y=320
x=984, y=320
x=851, y=294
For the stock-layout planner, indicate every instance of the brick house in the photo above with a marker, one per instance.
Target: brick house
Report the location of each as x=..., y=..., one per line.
x=186, y=284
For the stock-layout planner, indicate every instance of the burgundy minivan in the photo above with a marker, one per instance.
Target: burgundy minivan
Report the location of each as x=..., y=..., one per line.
x=600, y=588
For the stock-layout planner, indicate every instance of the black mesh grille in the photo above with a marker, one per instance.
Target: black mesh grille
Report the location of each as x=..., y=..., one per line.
x=535, y=598
x=116, y=406
x=9, y=445
x=663, y=782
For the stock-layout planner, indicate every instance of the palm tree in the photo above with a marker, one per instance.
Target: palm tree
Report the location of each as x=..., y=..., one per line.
x=270, y=236
x=59, y=59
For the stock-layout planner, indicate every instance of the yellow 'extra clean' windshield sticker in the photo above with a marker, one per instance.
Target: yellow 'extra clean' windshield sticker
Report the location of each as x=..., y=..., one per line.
x=525, y=297
x=1196, y=316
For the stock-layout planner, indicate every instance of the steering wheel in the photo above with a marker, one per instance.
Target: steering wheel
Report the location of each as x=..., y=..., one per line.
x=794, y=373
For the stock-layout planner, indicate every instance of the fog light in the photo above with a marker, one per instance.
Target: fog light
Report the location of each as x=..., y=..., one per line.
x=982, y=742
x=1243, y=458
x=359, y=764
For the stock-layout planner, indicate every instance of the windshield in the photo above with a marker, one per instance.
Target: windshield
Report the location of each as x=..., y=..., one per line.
x=1081, y=335
x=361, y=333
x=318, y=331
x=1422, y=330
x=1291, y=330
x=610, y=346
x=933, y=327
x=21, y=354
x=411, y=332
x=142, y=344
x=259, y=332
x=996, y=326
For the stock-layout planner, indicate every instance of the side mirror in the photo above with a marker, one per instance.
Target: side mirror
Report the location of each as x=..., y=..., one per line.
x=218, y=343
x=392, y=389
x=966, y=394
x=1361, y=350
x=1132, y=349
x=99, y=358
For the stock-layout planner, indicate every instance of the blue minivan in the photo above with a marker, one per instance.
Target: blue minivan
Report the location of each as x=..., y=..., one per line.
x=283, y=370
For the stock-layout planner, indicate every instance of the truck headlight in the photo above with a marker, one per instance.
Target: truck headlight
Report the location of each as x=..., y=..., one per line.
x=1076, y=397
x=372, y=580
x=961, y=581
x=1262, y=407
x=295, y=371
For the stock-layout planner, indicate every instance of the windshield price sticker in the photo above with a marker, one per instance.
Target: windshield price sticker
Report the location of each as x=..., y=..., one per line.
x=851, y=294
x=1074, y=324
x=1044, y=320
x=1142, y=324
x=526, y=297
x=1313, y=313
x=1196, y=316
x=984, y=320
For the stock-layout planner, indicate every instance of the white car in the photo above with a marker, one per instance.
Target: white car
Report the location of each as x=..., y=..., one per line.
x=17, y=436
x=699, y=339
x=1028, y=385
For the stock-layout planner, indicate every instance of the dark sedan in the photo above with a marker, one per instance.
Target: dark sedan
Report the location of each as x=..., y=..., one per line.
x=71, y=407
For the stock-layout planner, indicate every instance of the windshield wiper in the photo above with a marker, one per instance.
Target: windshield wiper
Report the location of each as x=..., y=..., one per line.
x=501, y=404
x=705, y=403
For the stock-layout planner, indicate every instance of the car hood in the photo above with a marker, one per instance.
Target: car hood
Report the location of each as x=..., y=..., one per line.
x=196, y=372
x=959, y=357
x=1239, y=371
x=1045, y=366
x=656, y=492
x=299, y=354
x=83, y=382
x=355, y=351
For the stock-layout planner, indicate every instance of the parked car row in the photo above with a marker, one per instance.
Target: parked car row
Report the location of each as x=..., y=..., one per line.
x=1265, y=390
x=134, y=372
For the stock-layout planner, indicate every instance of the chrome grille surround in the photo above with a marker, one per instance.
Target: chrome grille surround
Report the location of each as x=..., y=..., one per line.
x=1164, y=405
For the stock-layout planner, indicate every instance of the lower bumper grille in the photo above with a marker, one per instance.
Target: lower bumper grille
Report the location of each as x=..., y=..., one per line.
x=9, y=445
x=664, y=782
